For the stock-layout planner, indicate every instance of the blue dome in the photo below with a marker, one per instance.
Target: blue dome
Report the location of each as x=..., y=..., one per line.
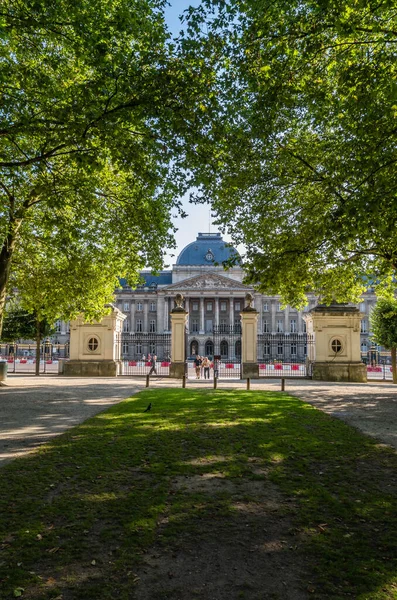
x=209, y=248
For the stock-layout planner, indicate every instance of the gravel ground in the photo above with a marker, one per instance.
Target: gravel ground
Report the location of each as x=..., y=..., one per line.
x=33, y=410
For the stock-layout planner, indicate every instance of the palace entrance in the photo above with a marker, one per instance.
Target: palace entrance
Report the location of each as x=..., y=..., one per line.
x=222, y=346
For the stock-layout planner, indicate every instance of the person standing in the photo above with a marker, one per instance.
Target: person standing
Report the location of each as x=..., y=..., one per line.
x=206, y=366
x=197, y=366
x=153, y=361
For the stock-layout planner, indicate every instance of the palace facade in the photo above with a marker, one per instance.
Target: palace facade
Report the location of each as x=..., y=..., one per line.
x=213, y=298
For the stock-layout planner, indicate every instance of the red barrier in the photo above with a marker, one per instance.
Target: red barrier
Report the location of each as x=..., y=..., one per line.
x=132, y=363
x=295, y=367
x=229, y=366
x=278, y=367
x=165, y=364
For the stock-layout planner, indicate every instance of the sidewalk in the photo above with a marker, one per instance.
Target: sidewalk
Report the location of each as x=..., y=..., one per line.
x=35, y=409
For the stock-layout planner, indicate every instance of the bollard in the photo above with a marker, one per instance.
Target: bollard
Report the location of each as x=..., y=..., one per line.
x=147, y=380
x=282, y=385
x=248, y=383
x=215, y=382
x=183, y=381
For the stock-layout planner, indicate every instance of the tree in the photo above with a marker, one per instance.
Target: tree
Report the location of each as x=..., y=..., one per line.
x=301, y=159
x=20, y=324
x=93, y=99
x=383, y=321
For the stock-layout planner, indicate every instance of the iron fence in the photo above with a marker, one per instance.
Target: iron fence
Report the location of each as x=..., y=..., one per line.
x=21, y=357
x=138, y=349
x=285, y=355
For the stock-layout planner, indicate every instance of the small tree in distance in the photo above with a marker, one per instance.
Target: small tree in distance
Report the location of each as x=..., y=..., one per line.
x=383, y=320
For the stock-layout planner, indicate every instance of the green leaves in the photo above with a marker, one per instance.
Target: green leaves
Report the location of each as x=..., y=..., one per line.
x=307, y=137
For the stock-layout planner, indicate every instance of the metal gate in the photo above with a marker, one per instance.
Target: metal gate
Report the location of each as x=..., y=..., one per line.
x=222, y=346
x=21, y=358
x=137, y=350
x=284, y=354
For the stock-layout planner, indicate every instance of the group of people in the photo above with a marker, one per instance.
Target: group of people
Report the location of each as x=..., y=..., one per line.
x=202, y=365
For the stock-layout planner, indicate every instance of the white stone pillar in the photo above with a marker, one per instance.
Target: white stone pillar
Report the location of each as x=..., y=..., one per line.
x=249, y=325
x=160, y=314
x=216, y=312
x=166, y=314
x=202, y=324
x=178, y=349
x=145, y=315
x=231, y=315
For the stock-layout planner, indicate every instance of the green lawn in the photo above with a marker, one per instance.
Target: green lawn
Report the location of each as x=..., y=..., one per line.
x=77, y=517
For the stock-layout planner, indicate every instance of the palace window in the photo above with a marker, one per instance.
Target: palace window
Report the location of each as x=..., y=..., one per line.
x=139, y=325
x=280, y=326
x=126, y=326
x=223, y=306
x=364, y=326
x=125, y=347
x=139, y=306
x=195, y=306
x=292, y=326
x=152, y=307
x=209, y=306
x=195, y=326
x=293, y=349
x=126, y=306
x=237, y=306
x=265, y=307
x=266, y=326
x=279, y=307
x=266, y=350
x=152, y=326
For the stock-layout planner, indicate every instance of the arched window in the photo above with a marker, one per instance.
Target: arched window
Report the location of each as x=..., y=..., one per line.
x=209, y=348
x=237, y=348
x=224, y=349
x=193, y=348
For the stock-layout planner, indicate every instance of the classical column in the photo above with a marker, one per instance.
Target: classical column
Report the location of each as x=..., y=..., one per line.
x=160, y=313
x=216, y=312
x=273, y=309
x=202, y=330
x=286, y=319
x=132, y=328
x=166, y=314
x=231, y=314
x=145, y=316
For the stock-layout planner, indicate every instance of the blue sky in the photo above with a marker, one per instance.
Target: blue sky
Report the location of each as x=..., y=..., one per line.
x=198, y=219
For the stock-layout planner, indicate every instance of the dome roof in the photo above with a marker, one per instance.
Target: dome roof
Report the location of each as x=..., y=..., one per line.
x=209, y=248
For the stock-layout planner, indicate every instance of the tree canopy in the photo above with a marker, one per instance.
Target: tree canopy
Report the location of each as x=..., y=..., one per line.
x=93, y=101
x=300, y=160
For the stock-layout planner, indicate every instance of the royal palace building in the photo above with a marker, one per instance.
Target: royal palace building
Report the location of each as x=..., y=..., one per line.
x=213, y=298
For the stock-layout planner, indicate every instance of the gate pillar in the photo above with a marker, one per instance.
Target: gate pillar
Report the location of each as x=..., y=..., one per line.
x=178, y=339
x=95, y=347
x=336, y=355
x=249, y=324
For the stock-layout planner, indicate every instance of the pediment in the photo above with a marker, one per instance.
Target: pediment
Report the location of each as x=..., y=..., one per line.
x=207, y=281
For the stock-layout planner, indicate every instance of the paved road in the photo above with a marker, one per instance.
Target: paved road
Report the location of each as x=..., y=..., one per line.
x=33, y=410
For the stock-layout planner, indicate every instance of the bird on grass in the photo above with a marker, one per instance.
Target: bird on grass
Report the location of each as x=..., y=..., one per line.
x=148, y=408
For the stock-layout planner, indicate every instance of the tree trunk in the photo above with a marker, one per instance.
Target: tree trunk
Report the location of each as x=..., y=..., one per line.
x=393, y=364
x=6, y=253
x=38, y=340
